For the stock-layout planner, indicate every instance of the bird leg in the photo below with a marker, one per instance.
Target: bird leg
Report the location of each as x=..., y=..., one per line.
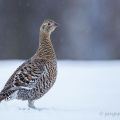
x=31, y=104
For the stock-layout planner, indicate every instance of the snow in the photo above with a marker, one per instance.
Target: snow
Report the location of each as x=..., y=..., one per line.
x=84, y=90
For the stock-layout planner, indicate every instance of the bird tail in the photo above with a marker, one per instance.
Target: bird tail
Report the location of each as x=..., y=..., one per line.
x=2, y=97
x=6, y=94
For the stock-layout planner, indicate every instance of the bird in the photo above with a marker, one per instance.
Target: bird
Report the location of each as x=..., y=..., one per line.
x=37, y=75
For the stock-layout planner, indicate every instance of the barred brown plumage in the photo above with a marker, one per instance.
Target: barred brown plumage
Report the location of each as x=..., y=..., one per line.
x=38, y=74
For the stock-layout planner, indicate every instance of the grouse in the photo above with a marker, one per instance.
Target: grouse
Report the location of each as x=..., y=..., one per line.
x=37, y=75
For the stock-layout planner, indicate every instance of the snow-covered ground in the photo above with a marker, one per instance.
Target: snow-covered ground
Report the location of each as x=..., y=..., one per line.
x=84, y=90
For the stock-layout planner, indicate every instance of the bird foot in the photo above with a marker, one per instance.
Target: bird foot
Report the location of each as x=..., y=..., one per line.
x=33, y=107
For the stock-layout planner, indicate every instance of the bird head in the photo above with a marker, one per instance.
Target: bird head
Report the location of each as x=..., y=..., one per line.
x=49, y=26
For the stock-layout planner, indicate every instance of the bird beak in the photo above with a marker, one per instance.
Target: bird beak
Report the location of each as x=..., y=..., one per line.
x=56, y=24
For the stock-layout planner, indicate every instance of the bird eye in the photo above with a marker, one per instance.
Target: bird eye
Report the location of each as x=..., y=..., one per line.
x=48, y=23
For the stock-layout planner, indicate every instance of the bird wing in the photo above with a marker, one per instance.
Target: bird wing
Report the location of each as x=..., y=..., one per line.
x=27, y=75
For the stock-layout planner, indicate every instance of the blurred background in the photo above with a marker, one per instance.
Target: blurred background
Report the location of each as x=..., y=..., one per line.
x=89, y=29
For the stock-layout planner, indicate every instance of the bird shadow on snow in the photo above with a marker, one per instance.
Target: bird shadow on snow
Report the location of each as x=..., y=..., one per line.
x=13, y=107
x=5, y=107
x=37, y=109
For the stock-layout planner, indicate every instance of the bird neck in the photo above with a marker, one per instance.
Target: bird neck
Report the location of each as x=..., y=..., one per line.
x=45, y=48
